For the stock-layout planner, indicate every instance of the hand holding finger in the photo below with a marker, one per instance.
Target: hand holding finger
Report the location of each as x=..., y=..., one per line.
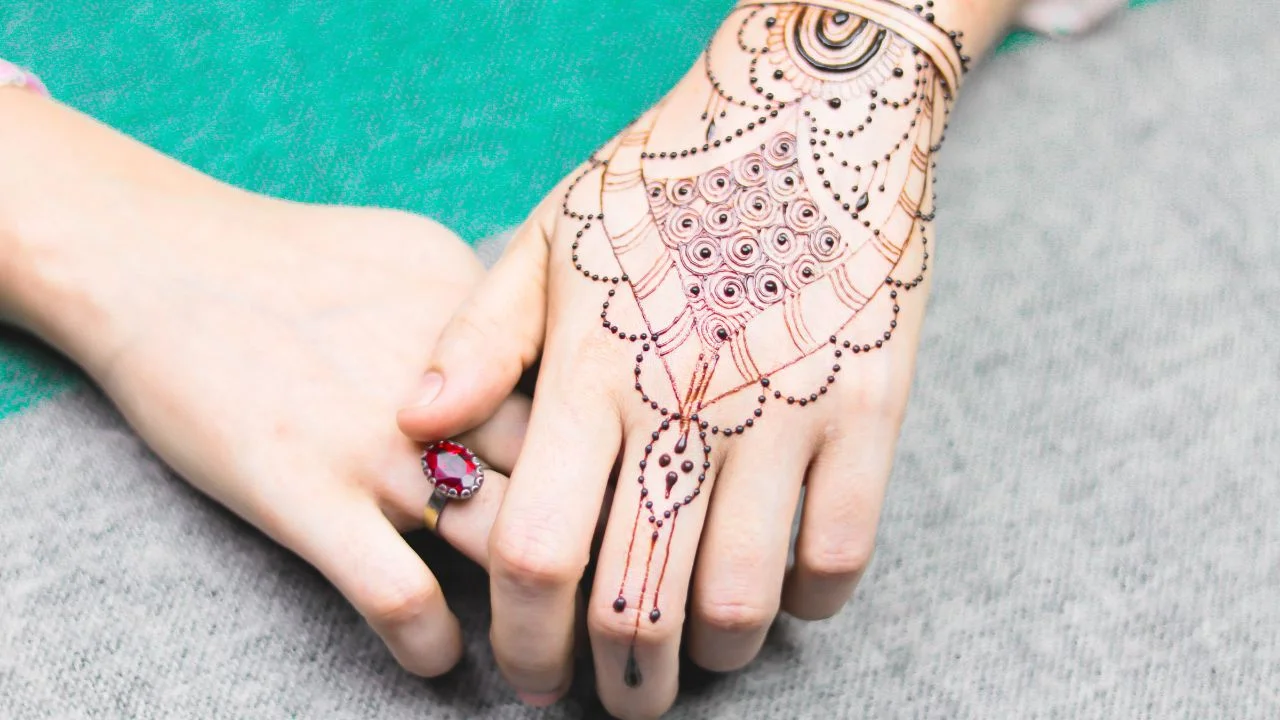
x=491, y=340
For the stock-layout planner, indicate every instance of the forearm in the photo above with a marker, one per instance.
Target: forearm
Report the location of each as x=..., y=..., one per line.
x=72, y=190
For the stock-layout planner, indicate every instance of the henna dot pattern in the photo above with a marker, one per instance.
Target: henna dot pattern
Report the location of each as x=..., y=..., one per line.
x=752, y=231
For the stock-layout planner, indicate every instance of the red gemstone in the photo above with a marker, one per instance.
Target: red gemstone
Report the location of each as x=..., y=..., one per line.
x=452, y=467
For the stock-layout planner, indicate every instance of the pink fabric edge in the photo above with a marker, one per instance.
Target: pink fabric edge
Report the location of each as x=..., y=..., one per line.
x=11, y=74
x=1066, y=17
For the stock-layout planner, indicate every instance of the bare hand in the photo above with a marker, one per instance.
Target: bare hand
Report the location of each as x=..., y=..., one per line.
x=260, y=347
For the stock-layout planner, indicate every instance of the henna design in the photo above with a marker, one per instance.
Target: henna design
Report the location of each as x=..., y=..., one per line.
x=752, y=235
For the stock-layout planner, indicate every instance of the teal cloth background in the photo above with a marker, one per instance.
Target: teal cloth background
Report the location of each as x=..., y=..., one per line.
x=462, y=110
x=1082, y=520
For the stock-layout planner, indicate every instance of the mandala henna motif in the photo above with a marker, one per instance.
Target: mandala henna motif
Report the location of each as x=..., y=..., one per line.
x=751, y=235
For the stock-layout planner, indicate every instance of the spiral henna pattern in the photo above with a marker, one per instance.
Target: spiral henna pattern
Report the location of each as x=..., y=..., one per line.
x=736, y=230
x=751, y=234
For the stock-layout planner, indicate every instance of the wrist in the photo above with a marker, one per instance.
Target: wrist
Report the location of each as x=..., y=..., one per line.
x=979, y=24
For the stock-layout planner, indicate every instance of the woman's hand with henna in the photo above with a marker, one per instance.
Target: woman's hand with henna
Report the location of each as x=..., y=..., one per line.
x=727, y=300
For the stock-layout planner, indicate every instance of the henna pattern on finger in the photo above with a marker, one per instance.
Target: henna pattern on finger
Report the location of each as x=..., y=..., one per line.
x=751, y=234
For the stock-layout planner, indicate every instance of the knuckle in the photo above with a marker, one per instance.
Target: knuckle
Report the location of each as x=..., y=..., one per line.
x=838, y=561
x=530, y=562
x=471, y=328
x=873, y=397
x=734, y=616
x=609, y=627
x=592, y=350
x=398, y=604
x=875, y=393
x=582, y=360
x=518, y=664
x=620, y=628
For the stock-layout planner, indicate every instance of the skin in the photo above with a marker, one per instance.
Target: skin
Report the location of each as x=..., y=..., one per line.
x=726, y=570
x=259, y=347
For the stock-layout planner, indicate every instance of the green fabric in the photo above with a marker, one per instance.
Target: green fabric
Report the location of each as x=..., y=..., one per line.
x=462, y=110
x=30, y=372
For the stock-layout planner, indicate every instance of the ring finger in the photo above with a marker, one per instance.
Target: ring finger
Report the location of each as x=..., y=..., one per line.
x=463, y=524
x=743, y=554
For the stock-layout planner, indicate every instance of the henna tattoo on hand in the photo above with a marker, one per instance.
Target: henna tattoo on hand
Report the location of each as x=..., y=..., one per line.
x=752, y=229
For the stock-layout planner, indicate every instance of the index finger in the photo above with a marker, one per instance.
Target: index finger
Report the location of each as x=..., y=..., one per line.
x=351, y=542
x=541, y=540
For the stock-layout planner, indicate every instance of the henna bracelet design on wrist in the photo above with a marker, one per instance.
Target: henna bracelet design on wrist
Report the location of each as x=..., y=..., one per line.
x=752, y=235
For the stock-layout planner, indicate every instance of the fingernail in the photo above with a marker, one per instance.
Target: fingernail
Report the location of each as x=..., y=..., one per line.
x=538, y=699
x=429, y=389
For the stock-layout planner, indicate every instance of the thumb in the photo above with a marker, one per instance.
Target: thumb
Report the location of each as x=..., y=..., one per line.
x=491, y=340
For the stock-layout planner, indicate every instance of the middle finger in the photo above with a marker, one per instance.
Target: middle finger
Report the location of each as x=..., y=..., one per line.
x=646, y=558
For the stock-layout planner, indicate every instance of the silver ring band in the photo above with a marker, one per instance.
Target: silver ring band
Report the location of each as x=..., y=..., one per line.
x=435, y=506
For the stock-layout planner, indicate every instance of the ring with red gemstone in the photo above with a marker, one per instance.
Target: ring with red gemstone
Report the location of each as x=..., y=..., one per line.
x=455, y=473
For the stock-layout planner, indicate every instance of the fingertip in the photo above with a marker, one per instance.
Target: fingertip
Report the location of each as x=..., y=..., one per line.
x=415, y=415
x=428, y=655
x=449, y=402
x=354, y=545
x=428, y=389
x=416, y=423
x=539, y=700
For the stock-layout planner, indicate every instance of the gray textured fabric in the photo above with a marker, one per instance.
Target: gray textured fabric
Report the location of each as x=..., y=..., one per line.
x=1085, y=514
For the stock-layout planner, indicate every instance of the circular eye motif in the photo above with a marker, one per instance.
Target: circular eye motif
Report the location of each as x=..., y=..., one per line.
x=717, y=184
x=657, y=194
x=781, y=244
x=785, y=184
x=683, y=224
x=719, y=219
x=727, y=293
x=803, y=215
x=681, y=191
x=766, y=286
x=756, y=207
x=780, y=151
x=715, y=330
x=802, y=272
x=751, y=170
x=701, y=255
x=743, y=252
x=825, y=243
